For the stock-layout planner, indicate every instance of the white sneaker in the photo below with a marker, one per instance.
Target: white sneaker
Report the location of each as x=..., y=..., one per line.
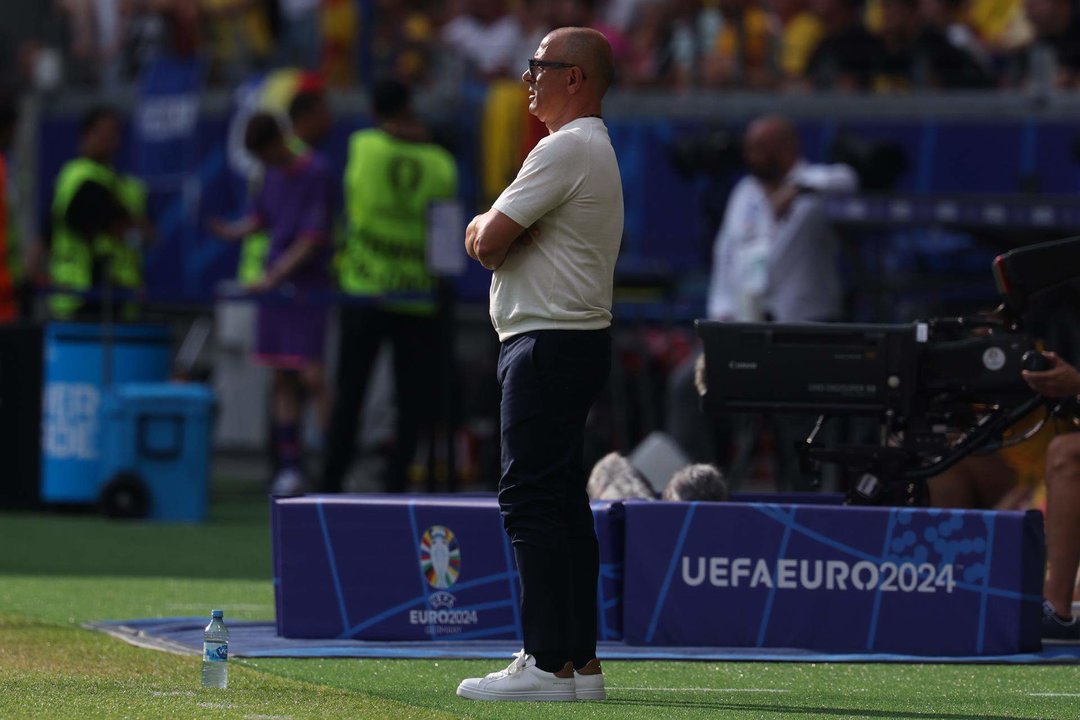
x=589, y=682
x=287, y=482
x=521, y=680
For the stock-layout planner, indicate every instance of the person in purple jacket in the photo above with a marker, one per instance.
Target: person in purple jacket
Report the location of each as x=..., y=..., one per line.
x=294, y=207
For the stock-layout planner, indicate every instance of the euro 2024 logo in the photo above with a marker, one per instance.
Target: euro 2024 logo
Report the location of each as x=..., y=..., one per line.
x=440, y=561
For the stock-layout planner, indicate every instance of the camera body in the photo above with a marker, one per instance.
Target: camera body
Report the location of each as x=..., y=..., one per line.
x=927, y=384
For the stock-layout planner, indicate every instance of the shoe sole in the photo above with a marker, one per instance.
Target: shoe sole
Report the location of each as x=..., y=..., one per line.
x=1060, y=641
x=539, y=695
x=597, y=694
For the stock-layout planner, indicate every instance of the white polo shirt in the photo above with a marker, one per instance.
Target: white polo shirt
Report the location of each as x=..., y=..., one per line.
x=570, y=188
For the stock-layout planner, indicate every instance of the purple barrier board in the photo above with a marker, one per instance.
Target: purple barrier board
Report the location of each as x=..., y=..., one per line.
x=839, y=579
x=382, y=567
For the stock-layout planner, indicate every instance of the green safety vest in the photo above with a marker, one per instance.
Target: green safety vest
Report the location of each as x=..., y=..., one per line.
x=389, y=185
x=255, y=248
x=71, y=261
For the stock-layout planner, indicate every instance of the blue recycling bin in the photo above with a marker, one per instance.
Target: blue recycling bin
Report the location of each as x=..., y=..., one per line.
x=156, y=441
x=74, y=355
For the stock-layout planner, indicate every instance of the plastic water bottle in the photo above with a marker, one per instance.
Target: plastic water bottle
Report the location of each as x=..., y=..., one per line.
x=215, y=665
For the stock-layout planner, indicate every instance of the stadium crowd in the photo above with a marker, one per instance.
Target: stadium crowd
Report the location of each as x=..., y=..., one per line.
x=881, y=46
x=792, y=46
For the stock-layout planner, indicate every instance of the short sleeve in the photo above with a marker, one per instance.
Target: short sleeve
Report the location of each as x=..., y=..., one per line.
x=547, y=179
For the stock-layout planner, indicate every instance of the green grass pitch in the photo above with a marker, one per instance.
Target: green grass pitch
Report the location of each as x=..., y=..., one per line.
x=59, y=571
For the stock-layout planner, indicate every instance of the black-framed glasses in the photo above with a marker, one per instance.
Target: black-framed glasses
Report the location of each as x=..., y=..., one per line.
x=536, y=63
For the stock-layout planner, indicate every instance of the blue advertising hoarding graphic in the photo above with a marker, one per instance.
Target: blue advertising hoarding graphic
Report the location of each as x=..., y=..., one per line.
x=401, y=568
x=837, y=579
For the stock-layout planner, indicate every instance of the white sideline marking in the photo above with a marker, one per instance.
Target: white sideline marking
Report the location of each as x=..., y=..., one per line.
x=1054, y=694
x=202, y=606
x=172, y=693
x=705, y=690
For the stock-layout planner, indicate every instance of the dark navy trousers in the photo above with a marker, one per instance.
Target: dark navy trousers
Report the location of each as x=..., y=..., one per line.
x=549, y=381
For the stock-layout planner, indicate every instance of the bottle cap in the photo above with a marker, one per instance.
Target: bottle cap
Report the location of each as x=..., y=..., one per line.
x=216, y=613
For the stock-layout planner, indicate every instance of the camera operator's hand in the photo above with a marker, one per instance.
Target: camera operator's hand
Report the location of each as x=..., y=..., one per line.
x=1060, y=380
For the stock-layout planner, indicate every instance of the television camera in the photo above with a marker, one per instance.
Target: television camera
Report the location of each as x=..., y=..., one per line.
x=939, y=389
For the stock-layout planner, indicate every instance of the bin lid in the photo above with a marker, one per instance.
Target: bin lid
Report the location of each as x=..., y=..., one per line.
x=164, y=393
x=95, y=332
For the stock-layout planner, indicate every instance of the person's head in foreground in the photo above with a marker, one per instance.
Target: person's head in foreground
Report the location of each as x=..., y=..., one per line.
x=700, y=481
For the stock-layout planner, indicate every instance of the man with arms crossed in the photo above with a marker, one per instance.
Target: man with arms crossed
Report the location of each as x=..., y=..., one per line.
x=551, y=239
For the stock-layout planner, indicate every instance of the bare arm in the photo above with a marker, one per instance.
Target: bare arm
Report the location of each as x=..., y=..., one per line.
x=297, y=254
x=489, y=237
x=236, y=229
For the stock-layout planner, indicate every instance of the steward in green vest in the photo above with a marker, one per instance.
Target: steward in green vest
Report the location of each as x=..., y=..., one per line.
x=392, y=177
x=98, y=221
x=309, y=114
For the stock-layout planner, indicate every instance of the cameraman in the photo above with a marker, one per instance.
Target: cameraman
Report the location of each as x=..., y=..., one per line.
x=1061, y=380
x=775, y=258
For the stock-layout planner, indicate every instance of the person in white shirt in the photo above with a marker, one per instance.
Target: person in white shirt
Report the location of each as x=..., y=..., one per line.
x=775, y=259
x=551, y=240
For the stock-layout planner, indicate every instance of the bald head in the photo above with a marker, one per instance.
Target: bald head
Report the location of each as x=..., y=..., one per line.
x=771, y=148
x=589, y=50
x=774, y=130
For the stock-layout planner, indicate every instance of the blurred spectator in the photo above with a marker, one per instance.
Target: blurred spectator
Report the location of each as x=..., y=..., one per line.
x=9, y=310
x=696, y=483
x=622, y=14
x=584, y=13
x=694, y=27
x=1052, y=58
x=951, y=18
x=98, y=222
x=40, y=67
x=915, y=55
x=1061, y=380
x=97, y=39
x=743, y=53
x=775, y=255
x=799, y=32
x=145, y=36
x=299, y=39
x=182, y=25
x=614, y=478
x=1002, y=24
x=402, y=46
x=339, y=36
x=650, y=55
x=309, y=116
x=775, y=258
x=239, y=38
x=489, y=37
x=847, y=56
x=294, y=205
x=536, y=20
x=392, y=177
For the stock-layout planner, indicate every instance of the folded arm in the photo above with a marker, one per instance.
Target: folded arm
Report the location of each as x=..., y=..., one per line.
x=488, y=238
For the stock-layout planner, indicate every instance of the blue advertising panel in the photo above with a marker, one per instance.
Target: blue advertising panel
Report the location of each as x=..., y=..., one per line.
x=410, y=568
x=899, y=580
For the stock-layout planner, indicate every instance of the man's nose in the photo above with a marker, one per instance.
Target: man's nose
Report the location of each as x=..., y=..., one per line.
x=526, y=76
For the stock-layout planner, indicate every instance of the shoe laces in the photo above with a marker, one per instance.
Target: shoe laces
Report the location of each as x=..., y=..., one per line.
x=519, y=662
x=513, y=668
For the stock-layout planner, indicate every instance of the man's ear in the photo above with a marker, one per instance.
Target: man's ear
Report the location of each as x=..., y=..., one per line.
x=574, y=79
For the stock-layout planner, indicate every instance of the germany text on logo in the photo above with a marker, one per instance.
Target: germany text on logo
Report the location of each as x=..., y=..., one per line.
x=440, y=557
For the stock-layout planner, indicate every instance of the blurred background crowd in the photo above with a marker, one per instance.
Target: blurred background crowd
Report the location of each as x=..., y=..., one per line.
x=877, y=46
